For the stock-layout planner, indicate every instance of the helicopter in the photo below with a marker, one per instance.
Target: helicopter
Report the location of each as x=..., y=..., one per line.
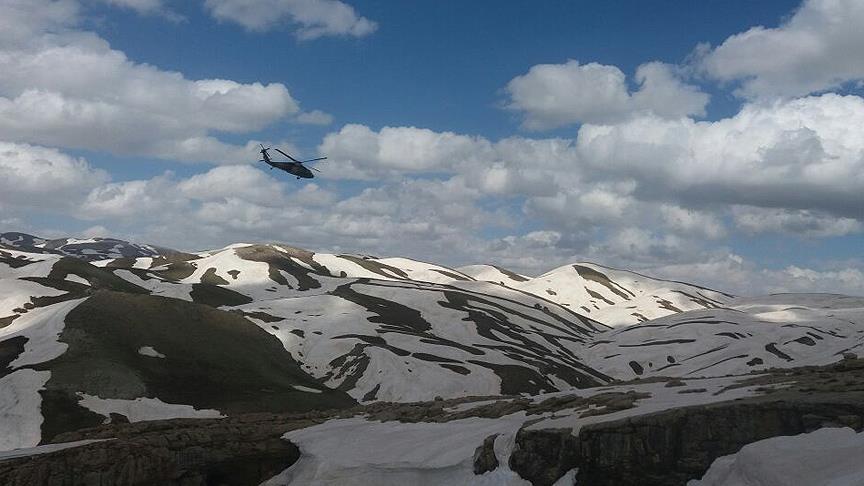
x=295, y=167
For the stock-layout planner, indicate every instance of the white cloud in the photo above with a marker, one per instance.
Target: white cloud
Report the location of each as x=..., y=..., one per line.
x=733, y=273
x=20, y=20
x=692, y=222
x=802, y=154
x=816, y=49
x=41, y=177
x=97, y=231
x=359, y=152
x=106, y=102
x=315, y=117
x=313, y=18
x=143, y=200
x=795, y=222
x=554, y=95
x=241, y=181
x=146, y=7
x=678, y=175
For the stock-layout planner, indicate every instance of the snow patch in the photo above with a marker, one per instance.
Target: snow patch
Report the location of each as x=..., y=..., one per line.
x=355, y=451
x=150, y=351
x=829, y=457
x=20, y=408
x=42, y=328
x=141, y=409
x=75, y=278
x=46, y=449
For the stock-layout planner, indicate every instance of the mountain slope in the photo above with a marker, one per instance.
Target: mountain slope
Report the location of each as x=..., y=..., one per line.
x=613, y=297
x=783, y=330
x=377, y=338
x=80, y=346
x=90, y=249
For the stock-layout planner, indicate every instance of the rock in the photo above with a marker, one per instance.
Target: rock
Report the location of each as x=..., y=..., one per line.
x=484, y=456
x=186, y=452
x=669, y=448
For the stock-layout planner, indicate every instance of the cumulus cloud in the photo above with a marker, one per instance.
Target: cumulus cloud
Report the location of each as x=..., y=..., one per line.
x=20, y=20
x=798, y=155
x=555, y=95
x=144, y=200
x=41, y=177
x=134, y=108
x=146, y=7
x=315, y=117
x=364, y=153
x=313, y=18
x=733, y=273
x=240, y=181
x=801, y=154
x=795, y=222
x=692, y=222
x=816, y=49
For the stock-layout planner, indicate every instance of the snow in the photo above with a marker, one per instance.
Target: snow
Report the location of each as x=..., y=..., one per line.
x=20, y=408
x=41, y=266
x=14, y=293
x=45, y=449
x=318, y=329
x=568, y=479
x=358, y=452
x=42, y=327
x=752, y=334
x=141, y=409
x=661, y=399
x=149, y=351
x=490, y=273
x=157, y=286
x=617, y=297
x=143, y=263
x=827, y=457
x=306, y=389
x=75, y=278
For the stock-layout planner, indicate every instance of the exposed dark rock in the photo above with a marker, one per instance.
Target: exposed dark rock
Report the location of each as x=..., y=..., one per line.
x=543, y=456
x=10, y=349
x=216, y=296
x=484, y=456
x=246, y=450
x=211, y=278
x=372, y=394
x=672, y=447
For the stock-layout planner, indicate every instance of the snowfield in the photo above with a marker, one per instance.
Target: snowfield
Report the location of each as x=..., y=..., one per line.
x=366, y=451
x=829, y=457
x=783, y=330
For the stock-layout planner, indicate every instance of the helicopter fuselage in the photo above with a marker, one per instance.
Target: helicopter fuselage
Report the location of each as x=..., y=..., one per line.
x=294, y=168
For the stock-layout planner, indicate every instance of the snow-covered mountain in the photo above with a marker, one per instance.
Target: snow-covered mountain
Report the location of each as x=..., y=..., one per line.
x=368, y=327
x=268, y=327
x=80, y=346
x=750, y=333
x=90, y=249
x=613, y=297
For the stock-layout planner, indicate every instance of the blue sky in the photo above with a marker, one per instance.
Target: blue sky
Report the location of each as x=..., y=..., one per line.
x=708, y=141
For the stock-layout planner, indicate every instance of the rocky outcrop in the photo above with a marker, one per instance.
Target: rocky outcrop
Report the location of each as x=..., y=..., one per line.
x=235, y=451
x=669, y=448
x=484, y=456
